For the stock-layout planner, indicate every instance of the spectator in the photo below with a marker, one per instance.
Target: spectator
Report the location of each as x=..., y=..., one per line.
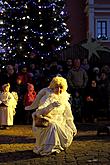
x=85, y=65
x=103, y=94
x=77, y=77
x=8, y=76
x=20, y=88
x=67, y=65
x=28, y=100
x=77, y=107
x=91, y=102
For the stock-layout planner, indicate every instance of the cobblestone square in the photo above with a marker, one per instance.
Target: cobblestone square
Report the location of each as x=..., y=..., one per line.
x=16, y=145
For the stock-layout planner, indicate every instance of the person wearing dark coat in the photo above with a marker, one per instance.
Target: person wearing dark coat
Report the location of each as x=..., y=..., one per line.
x=91, y=102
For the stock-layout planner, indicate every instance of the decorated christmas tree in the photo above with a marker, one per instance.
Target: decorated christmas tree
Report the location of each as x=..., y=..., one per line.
x=37, y=26
x=2, y=34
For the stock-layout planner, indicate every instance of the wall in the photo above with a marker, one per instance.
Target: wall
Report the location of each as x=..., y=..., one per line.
x=76, y=22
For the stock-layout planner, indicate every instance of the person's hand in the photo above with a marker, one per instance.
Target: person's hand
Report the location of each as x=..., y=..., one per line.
x=26, y=108
x=88, y=98
x=55, y=104
x=75, y=133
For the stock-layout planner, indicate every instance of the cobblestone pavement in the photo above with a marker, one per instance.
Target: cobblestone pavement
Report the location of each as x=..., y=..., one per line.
x=16, y=147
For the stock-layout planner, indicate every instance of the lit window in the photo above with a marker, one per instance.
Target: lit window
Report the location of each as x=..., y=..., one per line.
x=102, y=30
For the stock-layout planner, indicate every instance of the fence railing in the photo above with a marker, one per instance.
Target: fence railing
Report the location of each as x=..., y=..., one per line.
x=73, y=51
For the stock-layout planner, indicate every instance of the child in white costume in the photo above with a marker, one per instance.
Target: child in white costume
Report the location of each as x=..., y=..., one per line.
x=8, y=102
x=53, y=104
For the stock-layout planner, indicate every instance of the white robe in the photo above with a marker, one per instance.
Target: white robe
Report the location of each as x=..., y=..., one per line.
x=8, y=111
x=61, y=130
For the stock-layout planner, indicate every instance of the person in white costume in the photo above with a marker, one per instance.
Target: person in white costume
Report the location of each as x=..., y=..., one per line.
x=52, y=104
x=8, y=102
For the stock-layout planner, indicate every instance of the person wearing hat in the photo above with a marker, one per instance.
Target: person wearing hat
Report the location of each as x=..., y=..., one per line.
x=57, y=128
x=8, y=102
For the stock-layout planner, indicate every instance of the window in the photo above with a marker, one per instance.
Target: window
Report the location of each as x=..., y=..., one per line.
x=102, y=30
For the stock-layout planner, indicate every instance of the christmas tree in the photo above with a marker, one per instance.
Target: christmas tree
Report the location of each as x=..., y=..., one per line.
x=34, y=26
x=2, y=34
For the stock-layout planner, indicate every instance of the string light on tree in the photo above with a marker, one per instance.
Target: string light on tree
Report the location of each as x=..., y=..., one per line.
x=35, y=25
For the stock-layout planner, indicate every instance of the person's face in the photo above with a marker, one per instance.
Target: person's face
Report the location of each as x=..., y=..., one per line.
x=85, y=61
x=93, y=83
x=77, y=63
x=69, y=62
x=103, y=76
x=32, y=66
x=24, y=70
x=6, y=89
x=77, y=94
x=58, y=89
x=10, y=70
x=19, y=81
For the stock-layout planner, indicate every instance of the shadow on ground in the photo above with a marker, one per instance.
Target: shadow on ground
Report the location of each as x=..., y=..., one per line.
x=91, y=137
x=15, y=156
x=86, y=126
x=10, y=139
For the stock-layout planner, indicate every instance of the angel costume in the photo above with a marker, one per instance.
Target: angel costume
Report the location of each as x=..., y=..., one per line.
x=8, y=102
x=61, y=130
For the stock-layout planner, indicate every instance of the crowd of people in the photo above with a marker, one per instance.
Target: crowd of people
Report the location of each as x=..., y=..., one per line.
x=89, y=86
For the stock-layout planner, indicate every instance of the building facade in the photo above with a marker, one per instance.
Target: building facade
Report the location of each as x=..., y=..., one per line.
x=89, y=17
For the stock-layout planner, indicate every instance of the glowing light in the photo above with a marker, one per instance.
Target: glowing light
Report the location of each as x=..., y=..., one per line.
x=40, y=25
x=5, y=3
x=64, y=23
x=24, y=18
x=41, y=37
x=26, y=27
x=1, y=22
x=41, y=43
x=28, y=17
x=53, y=9
x=67, y=30
x=25, y=6
x=20, y=47
x=55, y=29
x=62, y=13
